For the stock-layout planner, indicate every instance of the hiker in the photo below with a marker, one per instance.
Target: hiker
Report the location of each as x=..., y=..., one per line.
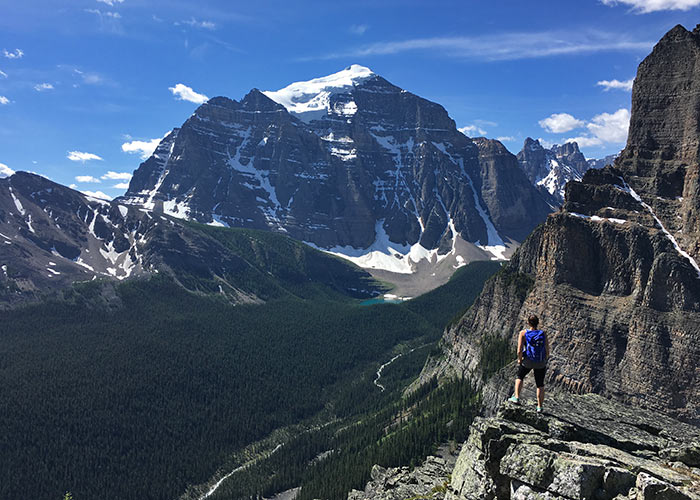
x=533, y=352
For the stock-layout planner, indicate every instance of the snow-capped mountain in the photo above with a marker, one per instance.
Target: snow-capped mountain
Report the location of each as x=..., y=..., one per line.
x=550, y=169
x=348, y=163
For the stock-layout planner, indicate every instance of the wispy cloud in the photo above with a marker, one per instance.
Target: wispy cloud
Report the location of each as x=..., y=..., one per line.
x=82, y=156
x=5, y=171
x=97, y=194
x=121, y=185
x=616, y=84
x=472, y=130
x=646, y=6
x=196, y=23
x=3, y=74
x=502, y=47
x=107, y=14
x=184, y=93
x=111, y=3
x=143, y=148
x=4, y=100
x=560, y=122
x=358, y=29
x=506, y=138
x=117, y=176
x=41, y=87
x=88, y=78
x=16, y=54
x=86, y=178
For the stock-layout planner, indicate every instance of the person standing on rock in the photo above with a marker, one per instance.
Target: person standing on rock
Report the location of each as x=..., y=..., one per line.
x=533, y=352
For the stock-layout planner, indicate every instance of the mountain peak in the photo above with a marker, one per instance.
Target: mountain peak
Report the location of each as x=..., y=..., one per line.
x=309, y=99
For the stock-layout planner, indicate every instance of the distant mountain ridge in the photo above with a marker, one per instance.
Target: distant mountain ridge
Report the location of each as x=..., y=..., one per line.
x=348, y=163
x=52, y=236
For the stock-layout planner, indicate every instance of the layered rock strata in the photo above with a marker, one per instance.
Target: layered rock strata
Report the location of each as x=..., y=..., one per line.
x=614, y=275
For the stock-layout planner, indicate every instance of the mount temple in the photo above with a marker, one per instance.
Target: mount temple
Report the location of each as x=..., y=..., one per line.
x=349, y=163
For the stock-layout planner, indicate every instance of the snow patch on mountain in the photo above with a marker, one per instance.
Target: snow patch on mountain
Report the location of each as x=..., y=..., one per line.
x=311, y=99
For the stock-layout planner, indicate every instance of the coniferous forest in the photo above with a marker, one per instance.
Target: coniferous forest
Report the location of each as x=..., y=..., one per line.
x=147, y=394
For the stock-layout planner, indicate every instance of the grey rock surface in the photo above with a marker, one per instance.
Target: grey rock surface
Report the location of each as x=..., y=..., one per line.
x=427, y=481
x=581, y=447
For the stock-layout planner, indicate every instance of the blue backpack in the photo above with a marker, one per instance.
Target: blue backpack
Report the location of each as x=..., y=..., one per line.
x=535, y=349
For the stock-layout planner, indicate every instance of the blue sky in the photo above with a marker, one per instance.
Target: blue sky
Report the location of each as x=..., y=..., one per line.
x=81, y=81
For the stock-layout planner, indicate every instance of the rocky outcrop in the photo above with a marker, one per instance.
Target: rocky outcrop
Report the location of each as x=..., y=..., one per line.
x=581, y=448
x=427, y=481
x=614, y=275
x=348, y=162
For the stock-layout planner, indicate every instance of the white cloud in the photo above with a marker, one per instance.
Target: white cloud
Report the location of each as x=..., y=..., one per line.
x=97, y=194
x=560, y=122
x=41, y=87
x=86, y=178
x=3, y=74
x=611, y=127
x=358, y=29
x=117, y=176
x=545, y=143
x=111, y=3
x=196, y=23
x=121, y=185
x=16, y=54
x=143, y=148
x=73, y=186
x=184, y=93
x=585, y=141
x=605, y=128
x=81, y=156
x=5, y=171
x=616, y=84
x=472, y=131
x=646, y=6
x=506, y=138
x=4, y=100
x=504, y=46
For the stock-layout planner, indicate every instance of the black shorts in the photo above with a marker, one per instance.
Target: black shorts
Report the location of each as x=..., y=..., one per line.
x=539, y=374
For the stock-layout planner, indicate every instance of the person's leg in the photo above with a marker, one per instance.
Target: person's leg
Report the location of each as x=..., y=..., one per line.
x=539, y=381
x=518, y=385
x=522, y=371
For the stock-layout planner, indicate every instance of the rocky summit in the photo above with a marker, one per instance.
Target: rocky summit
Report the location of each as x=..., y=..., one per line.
x=614, y=275
x=550, y=169
x=349, y=163
x=581, y=448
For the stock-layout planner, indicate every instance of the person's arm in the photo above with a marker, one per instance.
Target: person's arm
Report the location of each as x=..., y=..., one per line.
x=546, y=346
x=520, y=347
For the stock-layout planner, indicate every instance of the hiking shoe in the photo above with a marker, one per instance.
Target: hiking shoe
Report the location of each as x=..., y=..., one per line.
x=514, y=400
x=539, y=409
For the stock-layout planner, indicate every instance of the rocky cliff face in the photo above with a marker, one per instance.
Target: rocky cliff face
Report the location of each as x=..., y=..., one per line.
x=613, y=275
x=550, y=169
x=581, y=448
x=347, y=162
